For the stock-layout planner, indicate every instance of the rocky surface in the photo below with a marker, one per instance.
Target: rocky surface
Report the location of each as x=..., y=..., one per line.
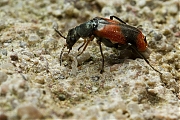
x=33, y=85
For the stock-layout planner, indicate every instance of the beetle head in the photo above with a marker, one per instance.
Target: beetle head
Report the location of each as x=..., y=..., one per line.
x=83, y=30
x=72, y=38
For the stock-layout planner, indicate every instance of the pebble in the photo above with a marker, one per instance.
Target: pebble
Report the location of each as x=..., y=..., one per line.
x=62, y=97
x=3, y=2
x=70, y=10
x=22, y=44
x=28, y=53
x=103, y=3
x=133, y=108
x=116, y=103
x=20, y=93
x=39, y=79
x=94, y=89
x=29, y=112
x=35, y=61
x=95, y=78
x=107, y=11
x=141, y=3
x=7, y=66
x=57, y=13
x=3, y=76
x=49, y=43
x=42, y=32
x=177, y=34
x=25, y=57
x=152, y=92
x=166, y=32
x=166, y=76
x=51, y=9
x=174, y=85
x=4, y=52
x=14, y=83
x=4, y=88
x=14, y=57
x=3, y=116
x=157, y=36
x=83, y=57
x=2, y=24
x=115, y=67
x=147, y=11
x=159, y=20
x=173, y=9
x=33, y=38
x=74, y=65
x=136, y=117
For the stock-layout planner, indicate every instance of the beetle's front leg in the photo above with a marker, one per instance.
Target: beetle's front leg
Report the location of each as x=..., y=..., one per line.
x=99, y=43
x=85, y=43
x=82, y=44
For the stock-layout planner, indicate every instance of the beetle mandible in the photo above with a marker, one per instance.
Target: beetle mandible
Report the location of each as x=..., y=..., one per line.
x=112, y=33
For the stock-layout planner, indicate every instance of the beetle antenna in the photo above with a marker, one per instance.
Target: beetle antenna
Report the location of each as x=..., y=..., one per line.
x=141, y=55
x=60, y=58
x=59, y=33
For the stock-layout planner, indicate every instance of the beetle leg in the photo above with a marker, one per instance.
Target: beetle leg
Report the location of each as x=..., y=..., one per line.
x=142, y=56
x=82, y=44
x=111, y=17
x=84, y=47
x=99, y=43
x=90, y=39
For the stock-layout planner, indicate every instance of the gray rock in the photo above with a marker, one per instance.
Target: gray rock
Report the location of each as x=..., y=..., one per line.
x=3, y=77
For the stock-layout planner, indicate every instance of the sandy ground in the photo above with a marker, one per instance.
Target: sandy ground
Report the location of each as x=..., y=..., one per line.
x=33, y=85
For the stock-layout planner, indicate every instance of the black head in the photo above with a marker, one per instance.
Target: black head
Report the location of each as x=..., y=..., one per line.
x=83, y=30
x=72, y=38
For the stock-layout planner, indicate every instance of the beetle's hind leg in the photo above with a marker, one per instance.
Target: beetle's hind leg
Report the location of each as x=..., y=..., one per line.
x=111, y=17
x=142, y=56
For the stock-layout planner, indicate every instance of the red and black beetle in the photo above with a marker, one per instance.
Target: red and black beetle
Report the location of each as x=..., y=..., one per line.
x=111, y=33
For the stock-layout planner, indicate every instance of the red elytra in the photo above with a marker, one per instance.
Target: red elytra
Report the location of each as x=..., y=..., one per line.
x=113, y=32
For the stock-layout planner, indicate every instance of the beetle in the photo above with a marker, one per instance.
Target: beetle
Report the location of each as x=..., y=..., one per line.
x=112, y=33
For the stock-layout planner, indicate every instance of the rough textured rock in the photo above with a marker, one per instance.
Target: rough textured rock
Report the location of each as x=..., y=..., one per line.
x=29, y=112
x=3, y=76
x=33, y=85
